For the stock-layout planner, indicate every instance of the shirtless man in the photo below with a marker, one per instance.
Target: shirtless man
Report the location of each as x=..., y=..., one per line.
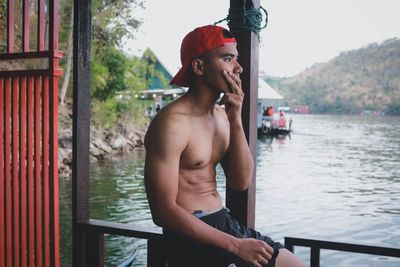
x=185, y=142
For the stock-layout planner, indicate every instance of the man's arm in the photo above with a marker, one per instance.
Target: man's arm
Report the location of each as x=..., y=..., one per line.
x=238, y=162
x=165, y=142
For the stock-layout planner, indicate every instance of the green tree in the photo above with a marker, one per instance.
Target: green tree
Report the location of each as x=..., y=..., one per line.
x=116, y=64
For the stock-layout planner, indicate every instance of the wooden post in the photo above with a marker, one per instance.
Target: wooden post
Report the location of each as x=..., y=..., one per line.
x=242, y=204
x=81, y=127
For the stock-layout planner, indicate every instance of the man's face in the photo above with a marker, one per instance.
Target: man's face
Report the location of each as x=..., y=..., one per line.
x=218, y=60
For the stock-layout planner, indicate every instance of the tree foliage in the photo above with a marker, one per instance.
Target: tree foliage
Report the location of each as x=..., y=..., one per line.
x=113, y=22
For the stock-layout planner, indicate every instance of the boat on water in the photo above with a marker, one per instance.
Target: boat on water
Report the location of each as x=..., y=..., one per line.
x=273, y=132
x=270, y=127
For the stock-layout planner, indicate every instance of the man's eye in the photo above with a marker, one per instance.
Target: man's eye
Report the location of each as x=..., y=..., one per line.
x=228, y=59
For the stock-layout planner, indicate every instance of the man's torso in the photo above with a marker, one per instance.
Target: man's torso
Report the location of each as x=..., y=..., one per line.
x=207, y=142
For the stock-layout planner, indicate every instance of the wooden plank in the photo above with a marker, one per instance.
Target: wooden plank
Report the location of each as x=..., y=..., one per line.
x=45, y=171
x=37, y=174
x=23, y=170
x=7, y=172
x=53, y=171
x=10, y=26
x=122, y=229
x=29, y=55
x=15, y=171
x=53, y=135
x=242, y=204
x=53, y=25
x=25, y=26
x=41, y=26
x=30, y=172
x=37, y=72
x=2, y=175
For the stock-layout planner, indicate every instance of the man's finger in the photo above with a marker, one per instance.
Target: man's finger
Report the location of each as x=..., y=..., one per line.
x=231, y=82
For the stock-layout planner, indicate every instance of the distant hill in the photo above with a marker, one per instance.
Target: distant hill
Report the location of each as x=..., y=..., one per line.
x=355, y=81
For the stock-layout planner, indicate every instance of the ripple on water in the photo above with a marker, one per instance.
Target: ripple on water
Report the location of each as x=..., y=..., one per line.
x=337, y=178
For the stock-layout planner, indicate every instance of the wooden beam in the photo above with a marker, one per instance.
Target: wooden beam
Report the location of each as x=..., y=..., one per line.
x=242, y=204
x=81, y=127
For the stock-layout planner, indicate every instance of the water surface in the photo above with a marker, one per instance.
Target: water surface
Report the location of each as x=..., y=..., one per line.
x=336, y=178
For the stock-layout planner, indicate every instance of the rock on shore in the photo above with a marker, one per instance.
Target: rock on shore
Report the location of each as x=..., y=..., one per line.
x=103, y=145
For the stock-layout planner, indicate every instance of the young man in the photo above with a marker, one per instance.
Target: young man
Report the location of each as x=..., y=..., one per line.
x=184, y=143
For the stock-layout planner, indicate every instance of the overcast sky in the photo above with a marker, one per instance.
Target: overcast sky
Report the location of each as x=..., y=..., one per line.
x=299, y=34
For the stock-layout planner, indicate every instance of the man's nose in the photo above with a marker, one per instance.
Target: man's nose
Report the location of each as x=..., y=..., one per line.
x=238, y=69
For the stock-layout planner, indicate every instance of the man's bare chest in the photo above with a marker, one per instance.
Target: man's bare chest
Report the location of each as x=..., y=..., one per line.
x=206, y=145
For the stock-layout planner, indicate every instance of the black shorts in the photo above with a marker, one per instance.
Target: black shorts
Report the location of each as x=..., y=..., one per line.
x=184, y=252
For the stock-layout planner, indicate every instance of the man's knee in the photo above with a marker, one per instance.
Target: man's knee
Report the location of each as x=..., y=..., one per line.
x=288, y=259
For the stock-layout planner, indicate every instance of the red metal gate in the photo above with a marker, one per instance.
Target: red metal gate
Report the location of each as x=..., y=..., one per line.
x=29, y=209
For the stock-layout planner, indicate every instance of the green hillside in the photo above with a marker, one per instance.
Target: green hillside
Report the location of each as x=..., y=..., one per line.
x=355, y=81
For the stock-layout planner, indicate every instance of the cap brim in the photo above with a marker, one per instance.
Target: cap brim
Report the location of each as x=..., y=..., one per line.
x=181, y=78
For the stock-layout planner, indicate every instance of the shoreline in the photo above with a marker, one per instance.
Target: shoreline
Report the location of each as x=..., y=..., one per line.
x=104, y=145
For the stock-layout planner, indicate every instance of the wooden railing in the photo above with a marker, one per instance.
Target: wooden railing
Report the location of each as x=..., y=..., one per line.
x=95, y=230
x=316, y=246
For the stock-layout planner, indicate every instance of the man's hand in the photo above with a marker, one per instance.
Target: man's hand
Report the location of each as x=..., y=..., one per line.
x=233, y=100
x=254, y=251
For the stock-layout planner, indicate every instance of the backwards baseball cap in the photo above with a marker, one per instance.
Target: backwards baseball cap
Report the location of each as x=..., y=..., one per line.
x=197, y=42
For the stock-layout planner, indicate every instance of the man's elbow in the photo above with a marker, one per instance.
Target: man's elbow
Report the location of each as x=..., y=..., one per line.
x=240, y=185
x=158, y=219
x=162, y=215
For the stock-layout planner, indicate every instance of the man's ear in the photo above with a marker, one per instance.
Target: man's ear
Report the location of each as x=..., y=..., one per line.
x=198, y=66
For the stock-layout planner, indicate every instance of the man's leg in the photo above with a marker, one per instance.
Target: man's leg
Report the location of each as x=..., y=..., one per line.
x=287, y=259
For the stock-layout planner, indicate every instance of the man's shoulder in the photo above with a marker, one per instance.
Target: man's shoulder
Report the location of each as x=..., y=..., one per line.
x=171, y=115
x=169, y=122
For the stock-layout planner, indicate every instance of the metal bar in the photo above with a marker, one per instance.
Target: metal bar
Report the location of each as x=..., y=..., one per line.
x=122, y=229
x=95, y=249
x=25, y=26
x=242, y=204
x=314, y=259
x=288, y=244
x=40, y=32
x=53, y=168
x=38, y=72
x=2, y=175
x=45, y=170
x=81, y=126
x=7, y=174
x=22, y=167
x=346, y=247
x=10, y=26
x=30, y=175
x=37, y=170
x=15, y=170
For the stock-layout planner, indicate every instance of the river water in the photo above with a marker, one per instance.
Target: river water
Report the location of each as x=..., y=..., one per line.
x=335, y=178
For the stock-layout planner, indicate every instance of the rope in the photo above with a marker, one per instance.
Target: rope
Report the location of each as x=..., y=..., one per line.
x=246, y=19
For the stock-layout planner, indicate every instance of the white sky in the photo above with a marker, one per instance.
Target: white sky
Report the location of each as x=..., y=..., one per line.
x=299, y=32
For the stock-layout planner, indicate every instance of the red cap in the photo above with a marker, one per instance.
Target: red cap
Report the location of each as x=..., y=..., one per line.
x=197, y=42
